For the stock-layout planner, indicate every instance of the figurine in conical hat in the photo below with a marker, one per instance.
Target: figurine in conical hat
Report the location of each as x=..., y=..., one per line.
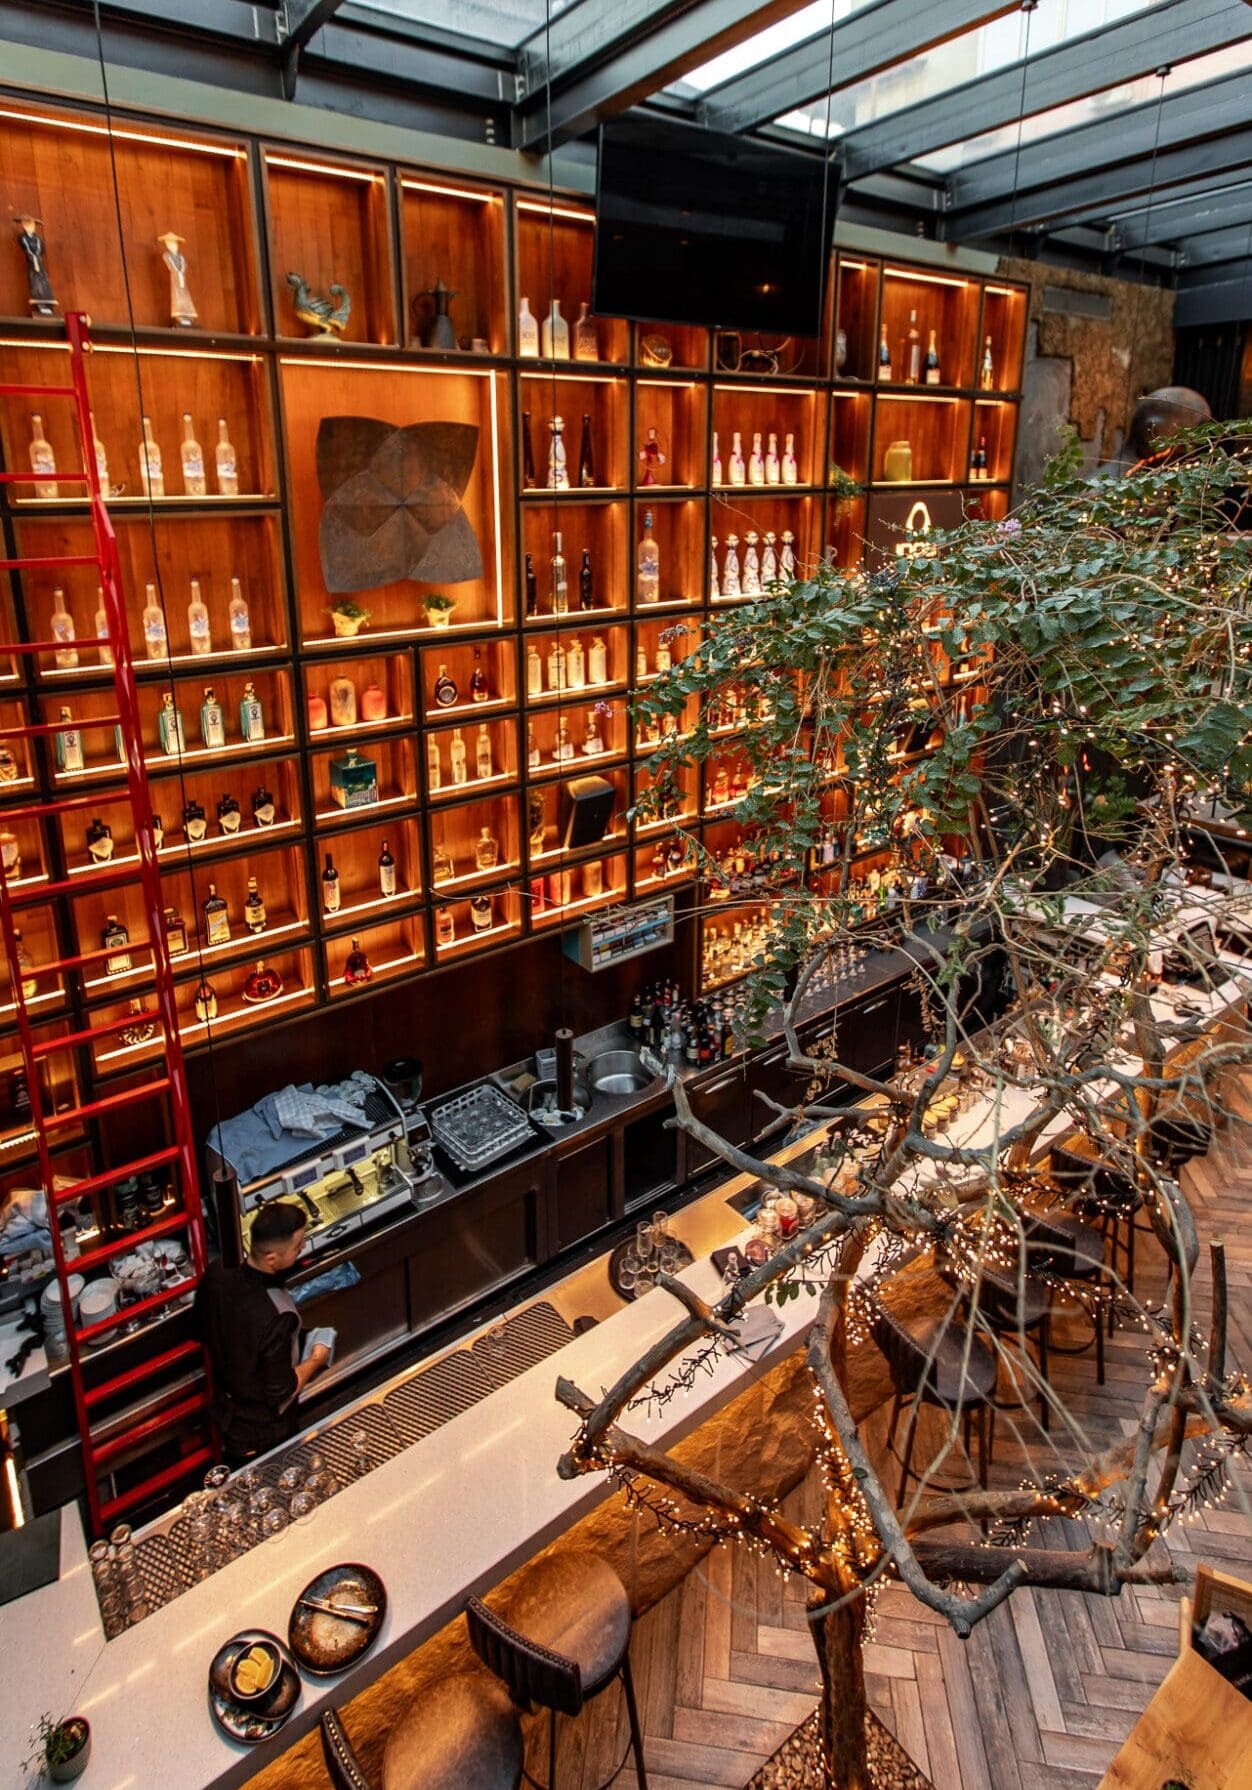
x=30, y=240
x=183, y=312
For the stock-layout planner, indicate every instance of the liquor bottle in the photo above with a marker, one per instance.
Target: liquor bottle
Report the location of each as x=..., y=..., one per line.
x=598, y=662
x=480, y=689
x=586, y=339
x=717, y=460
x=534, y=671
x=42, y=459
x=216, y=918
x=66, y=656
x=487, y=850
x=648, y=578
x=560, y=579
x=978, y=464
x=575, y=665
x=69, y=745
x=586, y=456
x=251, y=716
x=99, y=844
x=170, y=726
x=240, y=619
x=445, y=926
x=206, y=1003
x=790, y=471
x=316, y=714
x=586, y=583
x=387, y=871
x=787, y=559
x=175, y=933
x=912, y=352
x=772, y=468
x=331, y=894
x=434, y=767
x=261, y=984
x=533, y=755
x=751, y=584
x=532, y=587
x=342, y=702
x=663, y=658
x=140, y=1030
x=933, y=376
x=442, y=868
x=155, y=639
x=558, y=468
x=715, y=588
x=756, y=462
x=457, y=756
x=484, y=765
x=730, y=568
x=555, y=334
x=195, y=821
x=104, y=650
x=563, y=747
x=25, y=963
x=445, y=690
x=199, y=627
x=357, y=967
x=253, y=908
x=192, y=455
x=738, y=471
x=101, y=458
x=769, y=561
x=481, y=913
x=212, y=722
x=114, y=938
x=151, y=476
x=884, y=356
x=527, y=332
x=528, y=454
x=264, y=808
x=987, y=374
x=226, y=461
x=229, y=818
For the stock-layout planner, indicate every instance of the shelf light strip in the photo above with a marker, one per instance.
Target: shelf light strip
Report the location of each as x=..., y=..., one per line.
x=363, y=175
x=84, y=129
x=387, y=367
x=922, y=279
x=557, y=211
x=448, y=192
x=913, y=398
x=1002, y=291
x=775, y=391
x=127, y=348
x=860, y=266
x=582, y=378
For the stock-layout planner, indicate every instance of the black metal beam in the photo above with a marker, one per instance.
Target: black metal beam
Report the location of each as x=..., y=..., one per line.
x=1188, y=213
x=630, y=51
x=872, y=39
x=1216, y=247
x=1171, y=32
x=1205, y=299
x=304, y=18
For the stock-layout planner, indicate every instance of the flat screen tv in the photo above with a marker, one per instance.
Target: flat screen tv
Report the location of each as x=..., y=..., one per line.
x=694, y=226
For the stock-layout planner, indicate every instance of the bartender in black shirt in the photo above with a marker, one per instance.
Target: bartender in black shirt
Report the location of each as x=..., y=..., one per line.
x=251, y=1328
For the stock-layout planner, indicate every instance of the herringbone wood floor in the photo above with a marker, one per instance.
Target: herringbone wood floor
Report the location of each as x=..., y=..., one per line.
x=1042, y=1694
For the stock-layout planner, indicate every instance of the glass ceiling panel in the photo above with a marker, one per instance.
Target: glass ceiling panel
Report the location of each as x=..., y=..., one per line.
x=502, y=23
x=982, y=51
x=765, y=45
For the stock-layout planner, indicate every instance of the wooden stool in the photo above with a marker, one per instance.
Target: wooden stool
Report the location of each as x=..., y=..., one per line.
x=464, y=1731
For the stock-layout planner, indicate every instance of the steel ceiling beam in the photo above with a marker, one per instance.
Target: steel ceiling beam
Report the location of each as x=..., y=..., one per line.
x=872, y=39
x=1203, y=298
x=1188, y=214
x=1216, y=247
x=621, y=54
x=1171, y=32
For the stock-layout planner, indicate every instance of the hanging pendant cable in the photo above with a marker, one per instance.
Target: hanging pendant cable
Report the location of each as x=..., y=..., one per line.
x=1162, y=75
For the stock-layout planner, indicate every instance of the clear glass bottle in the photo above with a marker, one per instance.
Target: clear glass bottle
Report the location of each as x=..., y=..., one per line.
x=442, y=868
x=487, y=850
x=556, y=666
x=592, y=742
x=527, y=332
x=114, y=938
x=216, y=918
x=648, y=565
x=251, y=716
x=155, y=638
x=240, y=619
x=751, y=581
x=480, y=689
x=575, y=665
x=331, y=893
x=26, y=965
x=912, y=352
x=66, y=656
x=560, y=578
x=563, y=747
x=226, y=461
x=387, y=873
x=170, y=726
x=987, y=372
x=534, y=757
x=101, y=459
x=212, y=722
x=790, y=471
x=105, y=649
x=586, y=338
x=357, y=968
x=151, y=475
x=555, y=334
x=342, y=702
x=42, y=459
x=254, y=908
x=534, y=671
x=730, y=568
x=558, y=464
x=787, y=558
x=769, y=560
x=756, y=461
x=717, y=460
x=434, y=766
x=933, y=374
x=598, y=662
x=199, y=626
x=772, y=468
x=192, y=455
x=738, y=470
x=457, y=756
x=484, y=764
x=69, y=744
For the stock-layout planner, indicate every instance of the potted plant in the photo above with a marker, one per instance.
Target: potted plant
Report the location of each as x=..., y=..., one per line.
x=844, y=488
x=59, y=1750
x=438, y=610
x=349, y=618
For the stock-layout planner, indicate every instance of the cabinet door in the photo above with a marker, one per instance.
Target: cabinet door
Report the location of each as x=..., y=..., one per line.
x=581, y=1201
x=867, y=1032
x=771, y=1075
x=723, y=1102
x=470, y=1246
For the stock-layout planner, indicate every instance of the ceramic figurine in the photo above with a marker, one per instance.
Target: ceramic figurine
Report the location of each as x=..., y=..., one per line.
x=30, y=241
x=652, y=457
x=183, y=312
x=326, y=317
x=439, y=332
x=730, y=568
x=558, y=470
x=787, y=559
x=769, y=561
x=751, y=585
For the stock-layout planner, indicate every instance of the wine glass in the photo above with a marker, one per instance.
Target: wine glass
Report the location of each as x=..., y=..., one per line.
x=359, y=1442
x=274, y=1523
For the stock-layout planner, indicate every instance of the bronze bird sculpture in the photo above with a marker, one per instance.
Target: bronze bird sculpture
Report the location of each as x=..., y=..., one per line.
x=327, y=317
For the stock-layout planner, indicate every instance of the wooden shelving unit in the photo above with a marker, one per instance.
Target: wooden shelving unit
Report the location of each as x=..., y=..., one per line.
x=253, y=212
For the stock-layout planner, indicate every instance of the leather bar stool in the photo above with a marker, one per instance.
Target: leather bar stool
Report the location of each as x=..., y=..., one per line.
x=950, y=1380
x=463, y=1732
x=1010, y=1307
x=1097, y=1191
x=1174, y=1140
x=566, y=1637
x=1062, y=1249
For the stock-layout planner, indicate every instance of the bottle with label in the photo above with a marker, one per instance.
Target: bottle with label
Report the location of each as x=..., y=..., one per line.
x=216, y=918
x=586, y=456
x=251, y=716
x=480, y=689
x=229, y=819
x=527, y=332
x=253, y=908
x=330, y=885
x=790, y=471
x=534, y=757
x=101, y=459
x=487, y=850
x=357, y=968
x=528, y=454
x=730, y=568
x=648, y=564
x=26, y=965
x=484, y=765
x=199, y=627
x=442, y=868
x=342, y=702
x=555, y=334
x=556, y=666
x=756, y=462
x=575, y=665
x=717, y=461
x=738, y=471
x=787, y=558
x=532, y=587
x=715, y=584
x=206, y=1003
x=563, y=746
x=481, y=913
x=912, y=352
x=195, y=821
x=175, y=933
x=66, y=656
x=170, y=726
x=212, y=722
x=445, y=691
x=264, y=809
x=387, y=871
x=586, y=583
x=773, y=471
x=751, y=583
x=114, y=938
x=592, y=743
x=151, y=477
x=933, y=376
x=155, y=638
x=434, y=768
x=769, y=560
x=884, y=356
x=69, y=744
x=240, y=619
x=586, y=339
x=99, y=844
x=558, y=467
x=457, y=756
x=978, y=462
x=598, y=662
x=192, y=455
x=987, y=373
x=42, y=459
x=105, y=649
x=226, y=461
x=534, y=671
x=261, y=984
x=560, y=578
x=445, y=926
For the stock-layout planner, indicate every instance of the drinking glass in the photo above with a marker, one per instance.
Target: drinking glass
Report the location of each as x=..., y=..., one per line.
x=497, y=1340
x=628, y=1276
x=644, y=1240
x=303, y=1504
x=273, y=1523
x=359, y=1443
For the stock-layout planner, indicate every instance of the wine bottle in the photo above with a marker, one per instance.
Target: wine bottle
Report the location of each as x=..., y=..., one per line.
x=457, y=756
x=987, y=375
x=884, y=356
x=978, y=464
x=756, y=461
x=170, y=728
x=738, y=471
x=226, y=461
x=155, y=638
x=586, y=583
x=434, y=766
x=240, y=619
x=387, y=871
x=484, y=765
x=199, y=627
x=357, y=968
x=648, y=564
x=487, y=850
x=912, y=352
x=251, y=716
x=212, y=722
x=790, y=471
x=717, y=461
x=586, y=456
x=151, y=476
x=101, y=459
x=42, y=459
x=773, y=470
x=481, y=913
x=528, y=454
x=527, y=332
x=66, y=656
x=69, y=744
x=932, y=362
x=330, y=886
x=253, y=908
x=532, y=587
x=114, y=938
x=216, y=918
x=105, y=649
x=560, y=579
x=192, y=456
x=445, y=690
x=480, y=690
x=555, y=334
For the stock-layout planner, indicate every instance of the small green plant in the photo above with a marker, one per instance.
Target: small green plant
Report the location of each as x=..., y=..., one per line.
x=54, y=1742
x=353, y=611
x=842, y=485
x=439, y=602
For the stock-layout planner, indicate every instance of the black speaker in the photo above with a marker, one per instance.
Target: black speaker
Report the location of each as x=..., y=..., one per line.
x=589, y=808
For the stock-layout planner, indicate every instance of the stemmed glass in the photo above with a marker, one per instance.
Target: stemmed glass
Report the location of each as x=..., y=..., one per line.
x=359, y=1442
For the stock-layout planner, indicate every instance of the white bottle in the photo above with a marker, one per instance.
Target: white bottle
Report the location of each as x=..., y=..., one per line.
x=102, y=460
x=787, y=559
x=664, y=658
x=598, y=662
x=434, y=769
x=769, y=561
x=756, y=462
x=102, y=630
x=771, y=460
x=155, y=639
x=194, y=482
x=483, y=765
x=42, y=459
x=534, y=671
x=738, y=474
x=227, y=462
x=715, y=589
x=730, y=568
x=457, y=755
x=717, y=461
x=558, y=470
x=751, y=585
x=789, y=468
x=527, y=332
x=240, y=619
x=575, y=665
x=66, y=656
x=199, y=627
x=556, y=667
x=151, y=476
x=555, y=334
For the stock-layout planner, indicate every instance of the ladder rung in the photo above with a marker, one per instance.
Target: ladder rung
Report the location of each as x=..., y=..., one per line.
x=168, y=1417
x=146, y=1370
x=77, y=1115
x=49, y=1047
x=43, y=478
x=85, y=959
x=129, y=1313
x=52, y=564
x=37, y=391
x=92, y=882
x=149, y=1233
x=56, y=646
x=149, y=1488
x=78, y=1190
x=34, y=730
x=60, y=805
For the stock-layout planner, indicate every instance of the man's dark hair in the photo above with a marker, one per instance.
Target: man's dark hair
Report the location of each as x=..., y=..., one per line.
x=276, y=1222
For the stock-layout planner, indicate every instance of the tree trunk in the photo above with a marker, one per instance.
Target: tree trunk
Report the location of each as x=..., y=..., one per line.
x=843, y=1714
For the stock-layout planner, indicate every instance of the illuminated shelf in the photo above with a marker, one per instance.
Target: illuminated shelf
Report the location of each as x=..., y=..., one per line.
x=472, y=880
x=472, y=786
x=570, y=767
x=575, y=694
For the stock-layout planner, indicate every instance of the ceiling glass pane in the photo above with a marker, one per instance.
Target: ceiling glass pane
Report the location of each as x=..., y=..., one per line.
x=765, y=45
x=502, y=23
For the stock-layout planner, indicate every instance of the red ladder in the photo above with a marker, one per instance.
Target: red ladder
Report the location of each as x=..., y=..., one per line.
x=172, y=1382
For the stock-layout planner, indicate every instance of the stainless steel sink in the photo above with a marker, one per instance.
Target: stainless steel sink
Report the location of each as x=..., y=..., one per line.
x=618, y=1072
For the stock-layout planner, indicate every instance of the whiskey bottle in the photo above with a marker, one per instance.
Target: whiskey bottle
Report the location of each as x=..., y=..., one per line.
x=481, y=913
x=69, y=744
x=457, y=756
x=216, y=918
x=528, y=454
x=175, y=933
x=738, y=472
x=527, y=332
x=445, y=926
x=648, y=563
x=560, y=579
x=205, y=1003
x=484, y=766
x=586, y=339
x=434, y=767
x=66, y=656
x=357, y=968
x=480, y=689
x=884, y=356
x=445, y=691
x=773, y=471
x=330, y=885
x=26, y=965
x=105, y=649
x=387, y=871
x=114, y=938
x=912, y=353
x=756, y=462
x=251, y=716
x=987, y=374
x=101, y=459
x=253, y=908
x=192, y=455
x=240, y=620
x=598, y=662
x=586, y=456
x=555, y=334
x=532, y=587
x=155, y=638
x=534, y=671
x=151, y=476
x=42, y=459
x=199, y=627
x=933, y=376
x=226, y=461
x=212, y=722
x=170, y=728
x=487, y=850
x=790, y=471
